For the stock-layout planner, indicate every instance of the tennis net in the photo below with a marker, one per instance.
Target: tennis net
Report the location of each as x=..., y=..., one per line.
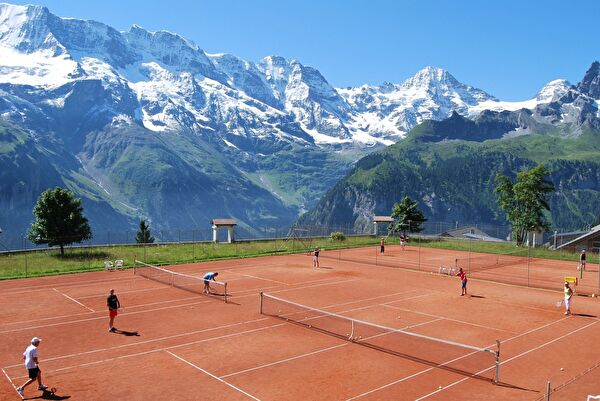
x=483, y=363
x=179, y=280
x=474, y=264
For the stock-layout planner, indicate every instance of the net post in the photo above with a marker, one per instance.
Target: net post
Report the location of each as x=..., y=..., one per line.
x=225, y=292
x=351, y=337
x=497, y=378
x=548, y=391
x=261, y=302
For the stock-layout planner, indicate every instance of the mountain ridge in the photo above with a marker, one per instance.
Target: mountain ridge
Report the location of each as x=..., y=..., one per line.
x=275, y=131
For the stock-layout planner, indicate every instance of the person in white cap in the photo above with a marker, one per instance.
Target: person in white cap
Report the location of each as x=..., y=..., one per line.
x=30, y=356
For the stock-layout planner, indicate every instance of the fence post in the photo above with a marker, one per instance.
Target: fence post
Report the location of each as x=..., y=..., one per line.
x=528, y=261
x=419, y=253
x=497, y=379
x=25, y=248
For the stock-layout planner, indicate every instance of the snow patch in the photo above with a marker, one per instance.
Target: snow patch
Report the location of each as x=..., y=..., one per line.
x=231, y=145
x=36, y=69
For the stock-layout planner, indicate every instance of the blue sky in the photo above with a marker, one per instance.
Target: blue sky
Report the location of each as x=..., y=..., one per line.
x=507, y=48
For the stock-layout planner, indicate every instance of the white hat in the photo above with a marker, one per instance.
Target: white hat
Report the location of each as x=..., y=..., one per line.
x=35, y=340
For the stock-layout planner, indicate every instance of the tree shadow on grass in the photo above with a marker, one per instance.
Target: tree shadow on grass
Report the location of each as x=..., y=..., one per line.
x=91, y=255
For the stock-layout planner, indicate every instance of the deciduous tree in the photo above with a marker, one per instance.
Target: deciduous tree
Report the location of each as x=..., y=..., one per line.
x=59, y=220
x=525, y=201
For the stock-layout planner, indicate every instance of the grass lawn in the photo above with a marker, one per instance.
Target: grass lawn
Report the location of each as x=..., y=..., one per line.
x=77, y=259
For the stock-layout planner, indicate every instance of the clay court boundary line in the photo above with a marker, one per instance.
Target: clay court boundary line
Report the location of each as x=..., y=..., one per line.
x=387, y=305
x=157, y=309
x=187, y=344
x=512, y=358
x=167, y=338
x=260, y=278
x=70, y=284
x=101, y=317
x=9, y=379
x=187, y=333
x=429, y=369
x=152, y=350
x=320, y=350
x=72, y=299
x=213, y=376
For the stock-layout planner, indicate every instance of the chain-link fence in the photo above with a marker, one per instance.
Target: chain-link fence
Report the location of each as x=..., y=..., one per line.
x=20, y=258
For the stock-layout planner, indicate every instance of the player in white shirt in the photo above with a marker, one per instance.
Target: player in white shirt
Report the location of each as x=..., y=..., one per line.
x=30, y=356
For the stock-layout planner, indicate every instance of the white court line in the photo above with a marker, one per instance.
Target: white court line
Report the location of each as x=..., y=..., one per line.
x=213, y=376
x=77, y=366
x=74, y=284
x=508, y=360
x=318, y=285
x=89, y=313
x=324, y=349
x=170, y=337
x=140, y=306
x=9, y=379
x=181, y=334
x=164, y=287
x=266, y=279
x=430, y=369
x=266, y=365
x=101, y=317
x=446, y=318
x=74, y=300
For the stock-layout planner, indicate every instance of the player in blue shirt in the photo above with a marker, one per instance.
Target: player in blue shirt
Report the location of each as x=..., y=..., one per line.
x=207, y=277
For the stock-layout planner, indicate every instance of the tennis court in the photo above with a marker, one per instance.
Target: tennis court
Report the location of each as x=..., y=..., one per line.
x=334, y=333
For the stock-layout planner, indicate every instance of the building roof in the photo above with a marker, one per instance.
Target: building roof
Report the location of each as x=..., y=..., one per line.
x=223, y=222
x=592, y=233
x=383, y=219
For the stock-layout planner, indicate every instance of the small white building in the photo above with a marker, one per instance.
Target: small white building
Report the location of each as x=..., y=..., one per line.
x=229, y=224
x=387, y=220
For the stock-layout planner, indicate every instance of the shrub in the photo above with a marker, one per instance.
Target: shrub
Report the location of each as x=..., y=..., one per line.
x=337, y=236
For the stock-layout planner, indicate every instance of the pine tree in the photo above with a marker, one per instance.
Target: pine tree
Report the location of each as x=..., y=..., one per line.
x=143, y=235
x=407, y=216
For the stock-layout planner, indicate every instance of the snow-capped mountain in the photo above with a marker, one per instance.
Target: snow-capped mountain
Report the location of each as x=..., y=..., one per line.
x=263, y=127
x=178, y=86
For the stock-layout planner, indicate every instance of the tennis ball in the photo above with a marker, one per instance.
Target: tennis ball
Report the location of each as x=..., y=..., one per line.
x=561, y=369
x=440, y=387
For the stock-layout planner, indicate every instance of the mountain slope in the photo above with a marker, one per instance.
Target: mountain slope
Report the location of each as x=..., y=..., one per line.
x=454, y=180
x=149, y=125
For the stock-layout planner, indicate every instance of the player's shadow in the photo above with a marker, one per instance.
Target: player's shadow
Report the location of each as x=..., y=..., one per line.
x=48, y=395
x=324, y=267
x=584, y=315
x=476, y=296
x=127, y=333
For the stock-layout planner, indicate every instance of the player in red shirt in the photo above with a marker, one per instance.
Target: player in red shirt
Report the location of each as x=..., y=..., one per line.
x=463, y=280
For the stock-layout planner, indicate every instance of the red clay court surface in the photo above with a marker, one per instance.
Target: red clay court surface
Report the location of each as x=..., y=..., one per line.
x=192, y=347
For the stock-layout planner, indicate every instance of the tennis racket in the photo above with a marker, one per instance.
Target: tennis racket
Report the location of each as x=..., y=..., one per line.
x=560, y=303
